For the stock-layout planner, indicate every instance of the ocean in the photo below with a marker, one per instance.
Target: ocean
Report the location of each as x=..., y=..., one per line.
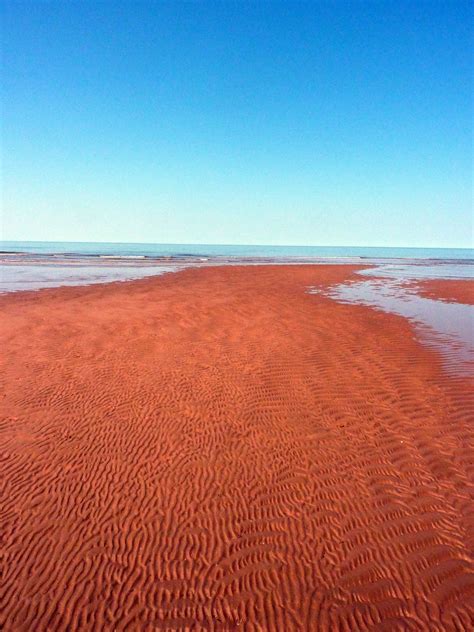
x=241, y=251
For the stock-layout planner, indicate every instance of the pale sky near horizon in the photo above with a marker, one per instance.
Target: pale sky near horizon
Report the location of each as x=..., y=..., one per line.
x=325, y=123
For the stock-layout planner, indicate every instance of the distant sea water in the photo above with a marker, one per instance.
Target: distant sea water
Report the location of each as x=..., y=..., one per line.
x=31, y=265
x=241, y=251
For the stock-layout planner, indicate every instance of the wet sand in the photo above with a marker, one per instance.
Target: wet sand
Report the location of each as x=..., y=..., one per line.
x=453, y=291
x=218, y=449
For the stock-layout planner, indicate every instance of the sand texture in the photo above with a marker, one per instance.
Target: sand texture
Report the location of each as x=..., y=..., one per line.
x=219, y=450
x=453, y=291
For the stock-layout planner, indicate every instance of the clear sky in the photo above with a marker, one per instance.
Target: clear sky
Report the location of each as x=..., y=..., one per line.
x=319, y=123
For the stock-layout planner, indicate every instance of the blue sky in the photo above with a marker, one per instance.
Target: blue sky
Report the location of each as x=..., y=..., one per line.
x=319, y=123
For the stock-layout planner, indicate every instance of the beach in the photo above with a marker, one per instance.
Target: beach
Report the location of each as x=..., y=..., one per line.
x=459, y=291
x=220, y=449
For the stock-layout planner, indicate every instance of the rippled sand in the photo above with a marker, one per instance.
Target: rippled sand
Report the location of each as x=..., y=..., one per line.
x=220, y=450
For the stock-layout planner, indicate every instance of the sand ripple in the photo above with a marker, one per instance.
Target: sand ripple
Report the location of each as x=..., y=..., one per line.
x=219, y=450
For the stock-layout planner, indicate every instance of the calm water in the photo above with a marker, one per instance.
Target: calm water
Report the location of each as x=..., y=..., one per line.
x=212, y=250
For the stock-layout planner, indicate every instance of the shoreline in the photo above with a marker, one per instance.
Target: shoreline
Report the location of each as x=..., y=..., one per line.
x=220, y=449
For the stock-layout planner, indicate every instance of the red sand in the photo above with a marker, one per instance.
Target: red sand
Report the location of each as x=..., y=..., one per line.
x=219, y=450
x=453, y=291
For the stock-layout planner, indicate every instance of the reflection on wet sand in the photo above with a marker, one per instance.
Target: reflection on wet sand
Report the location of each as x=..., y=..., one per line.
x=447, y=326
